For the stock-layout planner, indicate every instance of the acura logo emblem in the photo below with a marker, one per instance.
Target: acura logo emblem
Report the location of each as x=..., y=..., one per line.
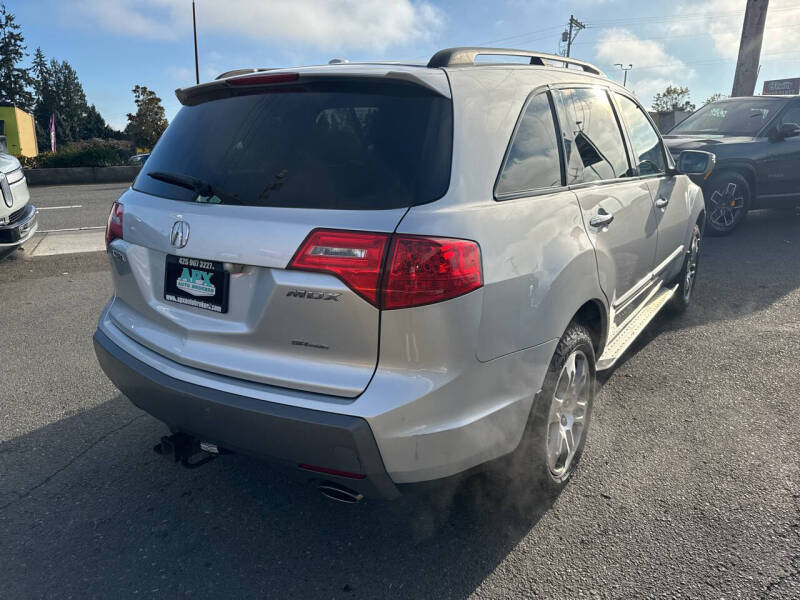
x=180, y=234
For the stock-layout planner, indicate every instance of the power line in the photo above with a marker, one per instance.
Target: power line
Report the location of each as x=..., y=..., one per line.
x=603, y=23
x=670, y=37
x=519, y=35
x=711, y=62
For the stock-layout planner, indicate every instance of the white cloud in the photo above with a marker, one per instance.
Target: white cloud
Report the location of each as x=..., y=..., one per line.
x=182, y=75
x=121, y=17
x=653, y=67
x=344, y=24
x=719, y=20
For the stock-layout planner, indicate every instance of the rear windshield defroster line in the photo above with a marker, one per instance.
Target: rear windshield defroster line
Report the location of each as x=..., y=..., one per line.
x=332, y=145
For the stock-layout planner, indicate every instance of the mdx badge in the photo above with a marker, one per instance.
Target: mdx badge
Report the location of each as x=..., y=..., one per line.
x=179, y=236
x=311, y=295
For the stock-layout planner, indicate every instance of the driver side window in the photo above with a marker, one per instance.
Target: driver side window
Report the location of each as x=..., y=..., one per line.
x=648, y=151
x=792, y=115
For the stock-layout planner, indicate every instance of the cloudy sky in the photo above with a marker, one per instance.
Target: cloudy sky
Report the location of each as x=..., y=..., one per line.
x=116, y=44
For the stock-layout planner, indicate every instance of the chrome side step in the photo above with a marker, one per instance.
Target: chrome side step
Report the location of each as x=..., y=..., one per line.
x=637, y=323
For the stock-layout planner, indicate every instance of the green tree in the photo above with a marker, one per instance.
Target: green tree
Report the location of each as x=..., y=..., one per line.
x=15, y=81
x=149, y=122
x=71, y=107
x=715, y=98
x=40, y=72
x=673, y=98
x=59, y=91
x=94, y=125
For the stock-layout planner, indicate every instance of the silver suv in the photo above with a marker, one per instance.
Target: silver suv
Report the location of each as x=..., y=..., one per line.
x=381, y=274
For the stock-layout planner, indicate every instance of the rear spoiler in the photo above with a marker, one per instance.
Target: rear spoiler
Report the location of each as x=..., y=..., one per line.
x=249, y=80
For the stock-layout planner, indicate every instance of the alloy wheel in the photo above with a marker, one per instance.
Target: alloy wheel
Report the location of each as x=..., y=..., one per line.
x=727, y=203
x=691, y=267
x=567, y=420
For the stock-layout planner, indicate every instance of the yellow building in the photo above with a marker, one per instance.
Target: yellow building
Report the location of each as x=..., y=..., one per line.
x=19, y=129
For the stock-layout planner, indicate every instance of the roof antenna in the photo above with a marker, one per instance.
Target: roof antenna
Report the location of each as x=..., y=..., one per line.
x=338, y=61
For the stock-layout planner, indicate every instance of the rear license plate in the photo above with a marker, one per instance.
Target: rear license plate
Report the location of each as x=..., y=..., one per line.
x=196, y=282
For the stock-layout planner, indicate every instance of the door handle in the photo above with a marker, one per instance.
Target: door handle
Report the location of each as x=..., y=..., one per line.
x=662, y=202
x=601, y=219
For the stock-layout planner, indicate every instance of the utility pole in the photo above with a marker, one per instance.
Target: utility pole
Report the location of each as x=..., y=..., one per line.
x=744, y=81
x=569, y=36
x=196, y=64
x=625, y=70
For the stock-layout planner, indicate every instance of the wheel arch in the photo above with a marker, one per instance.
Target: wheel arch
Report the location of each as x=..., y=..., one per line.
x=745, y=169
x=593, y=315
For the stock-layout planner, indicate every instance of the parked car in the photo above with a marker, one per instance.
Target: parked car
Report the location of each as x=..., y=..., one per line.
x=383, y=274
x=755, y=140
x=138, y=159
x=17, y=214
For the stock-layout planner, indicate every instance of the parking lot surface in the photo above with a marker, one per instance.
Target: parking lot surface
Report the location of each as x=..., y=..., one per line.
x=689, y=487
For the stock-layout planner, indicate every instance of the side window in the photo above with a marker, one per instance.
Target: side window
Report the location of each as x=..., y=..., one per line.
x=792, y=115
x=593, y=126
x=532, y=162
x=648, y=151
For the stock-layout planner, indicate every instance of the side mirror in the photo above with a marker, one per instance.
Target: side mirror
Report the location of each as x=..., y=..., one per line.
x=786, y=130
x=696, y=162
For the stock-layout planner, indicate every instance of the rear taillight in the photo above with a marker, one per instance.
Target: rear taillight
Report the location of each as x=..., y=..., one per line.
x=354, y=257
x=424, y=270
x=419, y=270
x=114, y=225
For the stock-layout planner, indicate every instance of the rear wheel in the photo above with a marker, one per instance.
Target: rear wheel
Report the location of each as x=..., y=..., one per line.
x=556, y=431
x=727, y=196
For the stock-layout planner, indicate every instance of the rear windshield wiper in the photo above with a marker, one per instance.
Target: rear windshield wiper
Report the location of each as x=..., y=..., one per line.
x=204, y=190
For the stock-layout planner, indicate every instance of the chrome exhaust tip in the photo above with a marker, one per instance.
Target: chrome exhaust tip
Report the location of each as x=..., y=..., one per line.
x=339, y=493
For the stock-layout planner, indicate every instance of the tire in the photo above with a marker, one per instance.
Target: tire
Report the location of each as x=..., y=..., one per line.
x=688, y=276
x=548, y=469
x=728, y=198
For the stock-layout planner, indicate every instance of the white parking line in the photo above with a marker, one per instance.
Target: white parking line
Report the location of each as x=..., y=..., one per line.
x=72, y=229
x=40, y=208
x=66, y=242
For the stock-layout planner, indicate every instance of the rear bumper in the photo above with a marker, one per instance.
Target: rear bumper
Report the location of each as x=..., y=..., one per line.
x=21, y=228
x=288, y=434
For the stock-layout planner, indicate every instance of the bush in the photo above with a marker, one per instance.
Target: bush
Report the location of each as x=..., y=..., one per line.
x=91, y=153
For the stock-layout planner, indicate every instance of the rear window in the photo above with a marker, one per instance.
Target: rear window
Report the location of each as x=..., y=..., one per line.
x=336, y=145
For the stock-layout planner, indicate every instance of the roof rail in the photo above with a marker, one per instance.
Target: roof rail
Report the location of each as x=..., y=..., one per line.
x=452, y=57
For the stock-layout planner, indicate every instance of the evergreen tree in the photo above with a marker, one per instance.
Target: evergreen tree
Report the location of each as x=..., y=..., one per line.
x=149, y=122
x=15, y=81
x=94, y=125
x=72, y=107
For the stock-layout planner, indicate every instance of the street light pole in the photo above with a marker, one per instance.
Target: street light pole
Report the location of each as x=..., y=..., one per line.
x=625, y=69
x=196, y=64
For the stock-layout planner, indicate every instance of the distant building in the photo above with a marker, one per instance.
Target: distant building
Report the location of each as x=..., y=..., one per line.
x=667, y=120
x=18, y=131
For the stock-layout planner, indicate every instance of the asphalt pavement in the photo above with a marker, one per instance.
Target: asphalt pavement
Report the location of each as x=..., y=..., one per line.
x=75, y=206
x=689, y=487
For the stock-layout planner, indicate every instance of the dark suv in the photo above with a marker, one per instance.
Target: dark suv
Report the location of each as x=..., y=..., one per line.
x=757, y=146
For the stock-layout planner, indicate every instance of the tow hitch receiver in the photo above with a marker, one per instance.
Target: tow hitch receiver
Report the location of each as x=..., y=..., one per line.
x=187, y=450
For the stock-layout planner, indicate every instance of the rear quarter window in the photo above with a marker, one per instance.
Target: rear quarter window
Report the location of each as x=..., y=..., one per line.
x=532, y=161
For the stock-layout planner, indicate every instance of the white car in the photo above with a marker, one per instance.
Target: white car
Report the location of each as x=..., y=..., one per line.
x=17, y=215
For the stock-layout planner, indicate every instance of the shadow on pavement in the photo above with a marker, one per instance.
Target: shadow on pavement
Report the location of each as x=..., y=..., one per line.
x=116, y=519
x=743, y=273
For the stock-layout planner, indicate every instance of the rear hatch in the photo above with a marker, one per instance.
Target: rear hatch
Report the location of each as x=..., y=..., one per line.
x=238, y=181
